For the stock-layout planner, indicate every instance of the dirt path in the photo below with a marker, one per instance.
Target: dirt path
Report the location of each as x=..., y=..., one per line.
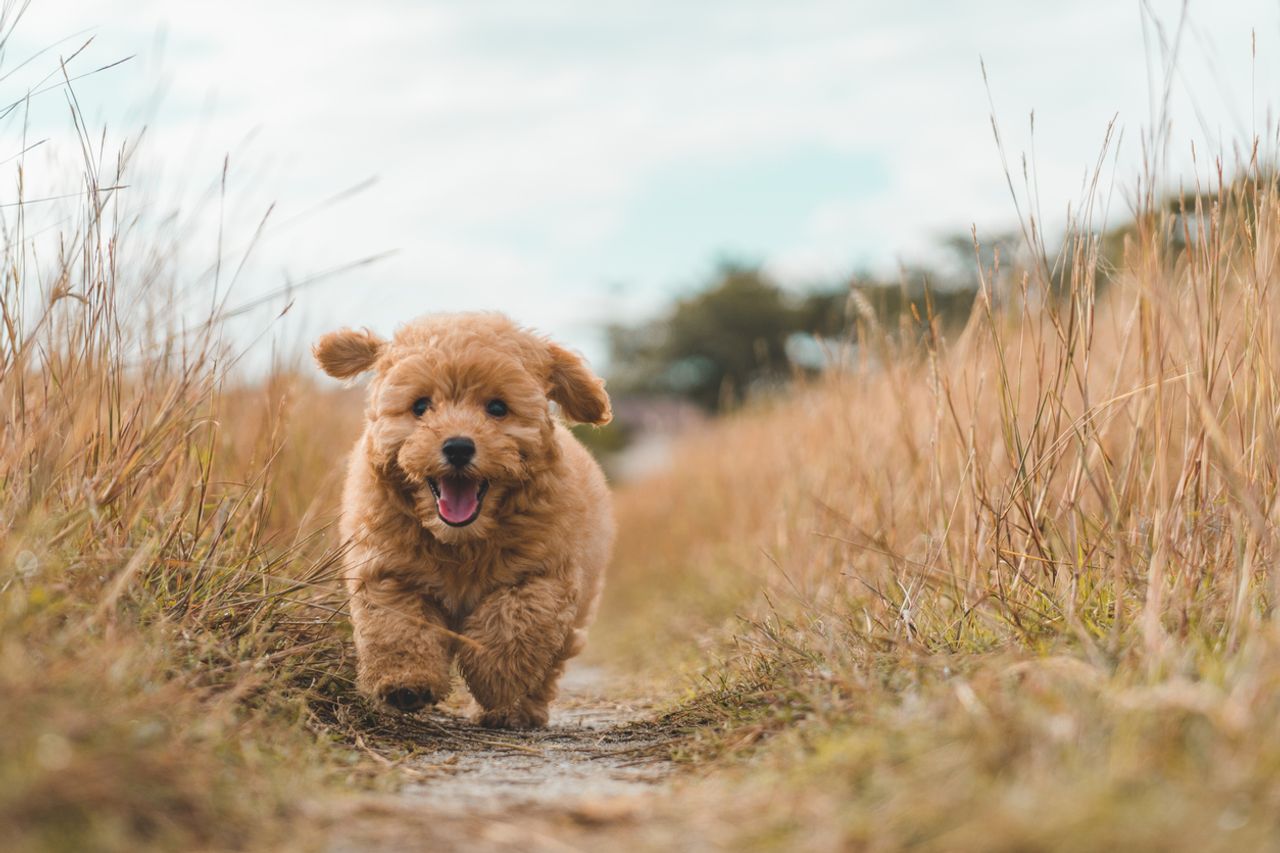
x=593, y=769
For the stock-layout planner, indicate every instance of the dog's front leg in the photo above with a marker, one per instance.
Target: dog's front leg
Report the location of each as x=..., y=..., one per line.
x=522, y=636
x=402, y=652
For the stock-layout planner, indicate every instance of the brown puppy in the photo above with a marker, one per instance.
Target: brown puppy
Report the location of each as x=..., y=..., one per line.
x=477, y=525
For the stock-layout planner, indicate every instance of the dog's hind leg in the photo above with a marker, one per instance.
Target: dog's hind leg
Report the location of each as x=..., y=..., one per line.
x=523, y=636
x=403, y=653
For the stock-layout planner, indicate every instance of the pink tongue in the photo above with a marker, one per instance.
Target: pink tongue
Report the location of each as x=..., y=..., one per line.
x=459, y=498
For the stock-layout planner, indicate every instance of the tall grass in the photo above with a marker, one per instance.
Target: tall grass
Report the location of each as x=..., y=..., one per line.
x=169, y=620
x=1019, y=583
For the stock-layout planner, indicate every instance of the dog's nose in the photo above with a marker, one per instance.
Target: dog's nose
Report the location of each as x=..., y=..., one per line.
x=459, y=450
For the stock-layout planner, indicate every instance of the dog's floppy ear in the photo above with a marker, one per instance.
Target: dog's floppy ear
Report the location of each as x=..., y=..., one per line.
x=579, y=392
x=347, y=352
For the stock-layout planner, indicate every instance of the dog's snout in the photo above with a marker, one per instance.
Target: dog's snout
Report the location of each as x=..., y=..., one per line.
x=459, y=450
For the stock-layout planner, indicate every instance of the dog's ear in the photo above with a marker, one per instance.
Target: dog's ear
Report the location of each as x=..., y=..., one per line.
x=347, y=352
x=579, y=392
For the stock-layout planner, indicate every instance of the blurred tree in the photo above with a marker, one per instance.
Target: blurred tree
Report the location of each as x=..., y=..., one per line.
x=713, y=346
x=744, y=332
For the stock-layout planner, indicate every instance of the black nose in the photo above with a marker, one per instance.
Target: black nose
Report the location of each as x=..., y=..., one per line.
x=459, y=450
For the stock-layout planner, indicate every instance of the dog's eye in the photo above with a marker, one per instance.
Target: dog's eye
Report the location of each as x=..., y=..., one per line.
x=496, y=408
x=420, y=406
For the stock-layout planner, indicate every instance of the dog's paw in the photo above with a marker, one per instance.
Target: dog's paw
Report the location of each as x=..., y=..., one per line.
x=520, y=717
x=407, y=699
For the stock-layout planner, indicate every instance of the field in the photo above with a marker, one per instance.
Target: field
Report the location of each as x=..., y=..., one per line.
x=1007, y=584
x=1010, y=590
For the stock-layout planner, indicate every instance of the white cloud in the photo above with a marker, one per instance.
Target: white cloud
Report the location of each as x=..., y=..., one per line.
x=511, y=139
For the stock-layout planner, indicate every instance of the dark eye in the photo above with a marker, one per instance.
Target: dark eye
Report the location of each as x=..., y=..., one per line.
x=420, y=406
x=496, y=408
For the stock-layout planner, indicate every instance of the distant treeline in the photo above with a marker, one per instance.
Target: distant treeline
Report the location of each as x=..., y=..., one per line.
x=743, y=331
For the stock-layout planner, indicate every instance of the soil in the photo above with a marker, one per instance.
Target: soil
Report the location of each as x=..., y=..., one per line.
x=571, y=786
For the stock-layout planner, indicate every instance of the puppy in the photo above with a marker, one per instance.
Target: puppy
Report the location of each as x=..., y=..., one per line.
x=478, y=527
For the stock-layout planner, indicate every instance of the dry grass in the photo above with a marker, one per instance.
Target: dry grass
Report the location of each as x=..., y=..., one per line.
x=159, y=610
x=1013, y=590
x=172, y=655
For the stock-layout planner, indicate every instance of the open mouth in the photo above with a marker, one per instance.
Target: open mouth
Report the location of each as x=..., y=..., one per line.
x=458, y=499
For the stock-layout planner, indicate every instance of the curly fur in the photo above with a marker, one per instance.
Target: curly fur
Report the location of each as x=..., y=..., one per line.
x=510, y=595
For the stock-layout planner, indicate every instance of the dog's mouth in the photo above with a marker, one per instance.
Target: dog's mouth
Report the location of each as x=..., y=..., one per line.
x=458, y=499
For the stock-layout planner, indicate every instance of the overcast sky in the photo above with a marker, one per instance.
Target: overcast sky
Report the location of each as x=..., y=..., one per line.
x=574, y=162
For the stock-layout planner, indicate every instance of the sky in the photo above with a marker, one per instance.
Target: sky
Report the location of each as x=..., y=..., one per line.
x=576, y=163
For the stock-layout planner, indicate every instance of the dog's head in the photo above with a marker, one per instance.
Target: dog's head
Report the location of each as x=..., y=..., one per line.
x=458, y=416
